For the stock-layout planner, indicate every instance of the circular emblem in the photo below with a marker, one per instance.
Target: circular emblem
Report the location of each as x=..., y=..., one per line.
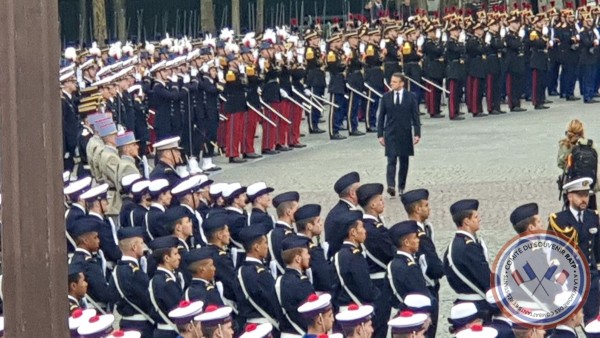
x=540, y=279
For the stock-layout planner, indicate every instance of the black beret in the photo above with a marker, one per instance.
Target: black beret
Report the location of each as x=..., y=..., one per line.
x=174, y=214
x=413, y=196
x=401, y=229
x=251, y=233
x=286, y=197
x=164, y=242
x=307, y=211
x=196, y=255
x=347, y=219
x=367, y=191
x=293, y=242
x=85, y=225
x=75, y=268
x=464, y=205
x=346, y=181
x=522, y=212
x=215, y=221
x=130, y=232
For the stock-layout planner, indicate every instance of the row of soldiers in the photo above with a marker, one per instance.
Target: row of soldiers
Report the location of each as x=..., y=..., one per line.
x=192, y=239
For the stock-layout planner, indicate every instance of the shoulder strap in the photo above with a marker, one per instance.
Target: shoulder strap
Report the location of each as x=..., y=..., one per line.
x=260, y=310
x=158, y=310
x=148, y=226
x=135, y=307
x=94, y=304
x=336, y=263
x=287, y=316
x=373, y=258
x=391, y=281
x=280, y=269
x=460, y=275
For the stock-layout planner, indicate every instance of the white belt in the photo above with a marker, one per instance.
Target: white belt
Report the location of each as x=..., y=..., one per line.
x=135, y=318
x=86, y=166
x=165, y=327
x=469, y=296
x=377, y=275
x=290, y=335
x=258, y=321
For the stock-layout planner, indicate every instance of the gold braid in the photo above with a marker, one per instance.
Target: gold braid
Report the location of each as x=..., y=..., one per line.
x=568, y=232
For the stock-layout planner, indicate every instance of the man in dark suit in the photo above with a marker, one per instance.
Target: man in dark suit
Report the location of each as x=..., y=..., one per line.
x=398, y=114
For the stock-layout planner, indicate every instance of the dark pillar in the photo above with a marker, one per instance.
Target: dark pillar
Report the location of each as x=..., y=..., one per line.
x=33, y=242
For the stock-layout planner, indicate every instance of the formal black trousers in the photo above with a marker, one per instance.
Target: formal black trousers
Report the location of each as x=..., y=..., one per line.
x=402, y=171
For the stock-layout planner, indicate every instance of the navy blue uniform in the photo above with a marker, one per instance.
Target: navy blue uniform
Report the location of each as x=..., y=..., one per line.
x=225, y=271
x=205, y=291
x=74, y=304
x=154, y=222
x=137, y=216
x=163, y=170
x=165, y=294
x=352, y=270
x=275, y=237
x=70, y=129
x=404, y=276
x=108, y=242
x=72, y=214
x=333, y=235
x=563, y=331
x=293, y=288
x=126, y=206
x=162, y=100
x=321, y=271
x=432, y=267
x=129, y=285
x=258, y=216
x=236, y=220
x=503, y=326
x=196, y=219
x=98, y=289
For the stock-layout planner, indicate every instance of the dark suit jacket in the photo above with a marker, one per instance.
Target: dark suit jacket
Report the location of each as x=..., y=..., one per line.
x=395, y=123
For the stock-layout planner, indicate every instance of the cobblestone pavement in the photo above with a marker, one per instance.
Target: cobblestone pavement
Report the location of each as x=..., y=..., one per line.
x=503, y=161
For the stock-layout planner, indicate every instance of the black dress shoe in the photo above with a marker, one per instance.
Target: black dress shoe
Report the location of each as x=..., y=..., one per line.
x=252, y=155
x=518, y=109
x=337, y=137
x=321, y=120
x=421, y=113
x=391, y=191
x=480, y=115
x=236, y=160
x=270, y=152
x=553, y=94
x=540, y=107
x=299, y=145
x=573, y=98
x=437, y=116
x=457, y=118
x=317, y=131
x=591, y=101
x=213, y=169
x=356, y=133
x=548, y=101
x=302, y=134
x=495, y=112
x=343, y=128
x=371, y=130
x=460, y=113
x=282, y=148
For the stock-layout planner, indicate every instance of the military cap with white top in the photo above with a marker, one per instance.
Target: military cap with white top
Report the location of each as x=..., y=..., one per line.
x=159, y=66
x=315, y=304
x=214, y=315
x=75, y=189
x=124, y=334
x=257, y=330
x=417, y=303
x=233, y=190
x=188, y=186
x=97, y=326
x=407, y=322
x=258, y=189
x=478, y=331
x=462, y=314
x=128, y=180
x=592, y=329
x=158, y=186
x=78, y=318
x=96, y=193
x=354, y=315
x=580, y=184
x=216, y=189
x=140, y=186
x=186, y=311
x=67, y=76
x=168, y=143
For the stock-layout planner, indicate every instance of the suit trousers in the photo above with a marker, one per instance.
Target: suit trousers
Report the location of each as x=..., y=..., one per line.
x=402, y=171
x=493, y=87
x=251, y=120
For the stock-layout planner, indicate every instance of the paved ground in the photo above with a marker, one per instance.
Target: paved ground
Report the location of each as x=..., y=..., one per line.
x=503, y=161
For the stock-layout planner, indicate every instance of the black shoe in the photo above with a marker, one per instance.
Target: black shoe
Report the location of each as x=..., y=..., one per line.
x=548, y=101
x=528, y=99
x=460, y=113
x=457, y=118
x=553, y=94
x=213, y=169
x=302, y=134
x=400, y=191
x=495, y=112
x=518, y=109
x=252, y=155
x=236, y=160
x=591, y=101
x=573, y=98
x=391, y=191
x=597, y=95
x=437, y=116
x=422, y=114
x=270, y=152
x=480, y=115
x=321, y=120
x=337, y=137
x=540, y=107
x=371, y=130
x=356, y=133
x=343, y=128
x=282, y=148
x=317, y=131
x=299, y=145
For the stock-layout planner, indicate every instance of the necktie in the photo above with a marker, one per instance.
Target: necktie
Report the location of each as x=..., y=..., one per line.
x=580, y=217
x=397, y=98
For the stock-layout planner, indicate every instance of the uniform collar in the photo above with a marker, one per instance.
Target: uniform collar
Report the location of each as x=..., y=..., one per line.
x=566, y=328
x=170, y=273
x=189, y=208
x=285, y=224
x=232, y=208
x=253, y=260
x=77, y=205
x=84, y=251
x=402, y=253
x=200, y=280
x=575, y=213
x=352, y=206
x=466, y=234
x=367, y=216
x=69, y=96
x=95, y=214
x=350, y=243
x=158, y=206
x=125, y=258
x=73, y=299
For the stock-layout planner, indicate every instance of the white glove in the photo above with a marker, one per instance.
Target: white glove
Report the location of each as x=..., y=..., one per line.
x=278, y=56
x=194, y=72
x=347, y=51
x=259, y=91
x=382, y=44
x=438, y=33
x=283, y=93
x=289, y=55
x=444, y=37
x=502, y=32
x=488, y=38
x=220, y=76
x=81, y=84
x=205, y=68
x=545, y=30
x=300, y=51
x=147, y=72
x=550, y=43
x=261, y=63
x=242, y=69
x=420, y=41
x=521, y=33
x=173, y=78
x=361, y=48
x=462, y=37
x=307, y=92
x=186, y=78
x=596, y=41
x=399, y=41
x=138, y=77
x=577, y=37
x=300, y=58
x=323, y=47
x=255, y=54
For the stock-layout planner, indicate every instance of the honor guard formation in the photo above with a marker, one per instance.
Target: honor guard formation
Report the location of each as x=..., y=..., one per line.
x=158, y=249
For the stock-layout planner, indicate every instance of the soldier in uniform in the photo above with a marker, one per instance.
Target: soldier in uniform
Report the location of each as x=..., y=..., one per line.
x=209, y=120
x=76, y=209
x=70, y=123
x=379, y=249
x=569, y=46
x=85, y=233
x=129, y=151
x=252, y=99
x=128, y=204
x=417, y=207
x=476, y=70
x=77, y=287
x=129, y=284
x=140, y=191
x=259, y=195
x=187, y=193
x=161, y=101
x=297, y=70
x=168, y=156
x=355, y=80
x=390, y=52
x=165, y=288
x=494, y=46
x=270, y=69
x=455, y=71
x=234, y=109
x=465, y=262
x=411, y=61
x=293, y=287
x=235, y=198
x=161, y=199
x=315, y=77
x=345, y=187
x=515, y=63
x=433, y=69
x=538, y=42
x=580, y=225
x=356, y=321
x=201, y=266
x=373, y=77
x=351, y=266
x=336, y=66
x=254, y=286
x=588, y=61
x=286, y=205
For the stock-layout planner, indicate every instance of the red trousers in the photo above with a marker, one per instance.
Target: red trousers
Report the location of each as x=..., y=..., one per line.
x=250, y=123
x=294, y=131
x=269, y=139
x=234, y=133
x=283, y=127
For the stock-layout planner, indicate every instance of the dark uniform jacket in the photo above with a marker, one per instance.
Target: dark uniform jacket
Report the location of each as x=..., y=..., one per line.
x=98, y=289
x=404, y=277
x=477, y=58
x=494, y=50
x=225, y=272
x=205, y=291
x=455, y=62
x=434, y=62
x=336, y=68
x=515, y=53
x=70, y=124
x=315, y=76
x=165, y=294
x=259, y=285
x=163, y=170
x=333, y=236
x=373, y=70
x=589, y=52
x=379, y=247
x=539, y=51
x=234, y=92
x=274, y=238
x=321, y=270
x=162, y=100
x=469, y=258
x=293, y=290
x=353, y=271
x=127, y=206
x=133, y=282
